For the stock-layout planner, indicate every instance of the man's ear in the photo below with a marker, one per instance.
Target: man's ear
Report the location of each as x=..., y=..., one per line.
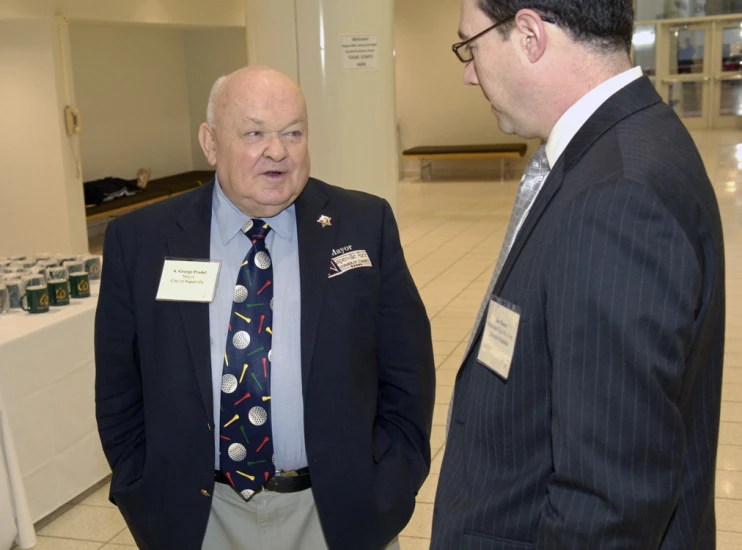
x=207, y=139
x=531, y=33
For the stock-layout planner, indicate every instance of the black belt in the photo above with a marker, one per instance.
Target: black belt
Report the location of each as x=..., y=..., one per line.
x=288, y=482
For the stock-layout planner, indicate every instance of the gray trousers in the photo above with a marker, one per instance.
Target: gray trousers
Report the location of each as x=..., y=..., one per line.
x=270, y=521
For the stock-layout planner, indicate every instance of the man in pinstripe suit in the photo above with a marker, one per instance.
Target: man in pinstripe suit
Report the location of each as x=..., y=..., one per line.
x=599, y=430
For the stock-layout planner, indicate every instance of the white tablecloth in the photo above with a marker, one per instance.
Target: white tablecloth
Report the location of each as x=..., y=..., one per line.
x=50, y=451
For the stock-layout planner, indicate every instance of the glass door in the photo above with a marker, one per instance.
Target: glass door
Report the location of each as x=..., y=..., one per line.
x=644, y=50
x=686, y=85
x=726, y=68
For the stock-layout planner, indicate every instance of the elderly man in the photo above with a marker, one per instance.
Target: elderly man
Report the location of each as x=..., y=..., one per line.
x=265, y=374
x=586, y=410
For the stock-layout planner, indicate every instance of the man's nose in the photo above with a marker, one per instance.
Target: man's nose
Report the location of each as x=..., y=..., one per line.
x=276, y=149
x=470, y=74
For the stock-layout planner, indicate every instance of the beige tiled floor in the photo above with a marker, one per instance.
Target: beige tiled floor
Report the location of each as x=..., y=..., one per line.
x=452, y=234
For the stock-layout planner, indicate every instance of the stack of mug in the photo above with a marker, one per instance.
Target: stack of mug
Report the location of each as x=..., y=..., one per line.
x=36, y=283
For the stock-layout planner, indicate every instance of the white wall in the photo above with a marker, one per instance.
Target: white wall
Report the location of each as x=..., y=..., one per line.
x=37, y=159
x=177, y=12
x=41, y=204
x=210, y=54
x=132, y=90
x=434, y=107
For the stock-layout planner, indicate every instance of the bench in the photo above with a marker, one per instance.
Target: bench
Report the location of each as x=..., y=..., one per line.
x=157, y=190
x=502, y=151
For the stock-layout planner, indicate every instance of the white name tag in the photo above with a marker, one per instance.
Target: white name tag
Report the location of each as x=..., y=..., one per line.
x=346, y=262
x=188, y=281
x=498, y=338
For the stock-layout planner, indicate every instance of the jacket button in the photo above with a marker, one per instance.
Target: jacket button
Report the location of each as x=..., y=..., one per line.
x=205, y=493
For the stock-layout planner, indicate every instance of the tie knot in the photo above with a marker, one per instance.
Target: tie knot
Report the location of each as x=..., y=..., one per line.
x=539, y=163
x=256, y=229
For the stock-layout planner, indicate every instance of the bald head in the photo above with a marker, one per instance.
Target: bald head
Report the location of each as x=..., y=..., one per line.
x=256, y=135
x=254, y=80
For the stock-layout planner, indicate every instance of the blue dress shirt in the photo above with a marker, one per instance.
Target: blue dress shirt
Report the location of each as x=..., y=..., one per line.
x=229, y=246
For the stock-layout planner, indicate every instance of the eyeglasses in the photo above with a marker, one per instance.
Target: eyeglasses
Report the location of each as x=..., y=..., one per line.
x=464, y=53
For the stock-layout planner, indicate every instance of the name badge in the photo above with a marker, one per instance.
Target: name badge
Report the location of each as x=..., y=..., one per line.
x=498, y=338
x=188, y=281
x=350, y=260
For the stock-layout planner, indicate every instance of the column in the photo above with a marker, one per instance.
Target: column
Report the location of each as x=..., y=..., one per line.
x=271, y=35
x=341, y=52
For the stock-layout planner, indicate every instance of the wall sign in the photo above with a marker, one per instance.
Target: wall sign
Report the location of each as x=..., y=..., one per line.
x=360, y=52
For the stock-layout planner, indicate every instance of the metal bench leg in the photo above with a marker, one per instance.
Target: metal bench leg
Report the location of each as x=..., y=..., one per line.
x=429, y=166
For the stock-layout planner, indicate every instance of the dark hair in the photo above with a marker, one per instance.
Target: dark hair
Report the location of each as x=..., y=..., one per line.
x=603, y=24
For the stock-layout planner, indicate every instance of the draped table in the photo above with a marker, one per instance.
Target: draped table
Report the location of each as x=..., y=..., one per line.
x=49, y=446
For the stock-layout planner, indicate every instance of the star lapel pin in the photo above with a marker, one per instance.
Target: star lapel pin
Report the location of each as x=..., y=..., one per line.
x=325, y=221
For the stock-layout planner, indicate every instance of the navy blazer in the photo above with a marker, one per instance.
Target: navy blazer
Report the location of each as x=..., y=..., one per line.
x=604, y=436
x=368, y=373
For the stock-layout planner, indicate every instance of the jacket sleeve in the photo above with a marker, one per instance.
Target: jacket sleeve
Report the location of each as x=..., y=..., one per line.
x=118, y=384
x=407, y=367
x=624, y=284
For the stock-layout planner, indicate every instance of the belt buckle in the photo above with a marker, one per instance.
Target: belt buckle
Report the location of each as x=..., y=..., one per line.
x=278, y=474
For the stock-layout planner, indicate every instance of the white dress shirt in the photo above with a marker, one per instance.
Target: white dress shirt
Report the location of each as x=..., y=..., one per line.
x=229, y=246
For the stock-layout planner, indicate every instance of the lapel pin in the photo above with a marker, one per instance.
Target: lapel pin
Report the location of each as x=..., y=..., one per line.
x=325, y=221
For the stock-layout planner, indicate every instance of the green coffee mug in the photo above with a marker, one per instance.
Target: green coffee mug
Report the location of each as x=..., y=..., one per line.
x=59, y=292
x=79, y=285
x=74, y=266
x=4, y=299
x=92, y=266
x=36, y=299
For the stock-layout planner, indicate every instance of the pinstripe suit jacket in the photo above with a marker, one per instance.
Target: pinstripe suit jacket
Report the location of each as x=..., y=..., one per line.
x=605, y=434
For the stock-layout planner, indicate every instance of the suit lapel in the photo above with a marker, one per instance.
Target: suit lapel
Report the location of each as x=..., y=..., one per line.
x=638, y=95
x=192, y=240
x=551, y=186
x=635, y=97
x=547, y=193
x=627, y=101
x=315, y=252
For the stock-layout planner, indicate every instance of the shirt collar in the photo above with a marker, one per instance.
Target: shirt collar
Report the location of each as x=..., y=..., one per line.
x=576, y=116
x=231, y=219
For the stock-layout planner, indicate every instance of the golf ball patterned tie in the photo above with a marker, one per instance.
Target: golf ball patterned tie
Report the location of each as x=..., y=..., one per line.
x=246, y=446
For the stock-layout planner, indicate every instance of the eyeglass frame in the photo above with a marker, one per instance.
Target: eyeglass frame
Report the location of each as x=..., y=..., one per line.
x=456, y=47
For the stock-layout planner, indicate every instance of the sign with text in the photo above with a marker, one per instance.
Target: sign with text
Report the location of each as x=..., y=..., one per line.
x=360, y=52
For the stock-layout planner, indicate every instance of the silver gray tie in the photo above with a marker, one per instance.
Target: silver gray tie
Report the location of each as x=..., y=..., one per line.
x=530, y=185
